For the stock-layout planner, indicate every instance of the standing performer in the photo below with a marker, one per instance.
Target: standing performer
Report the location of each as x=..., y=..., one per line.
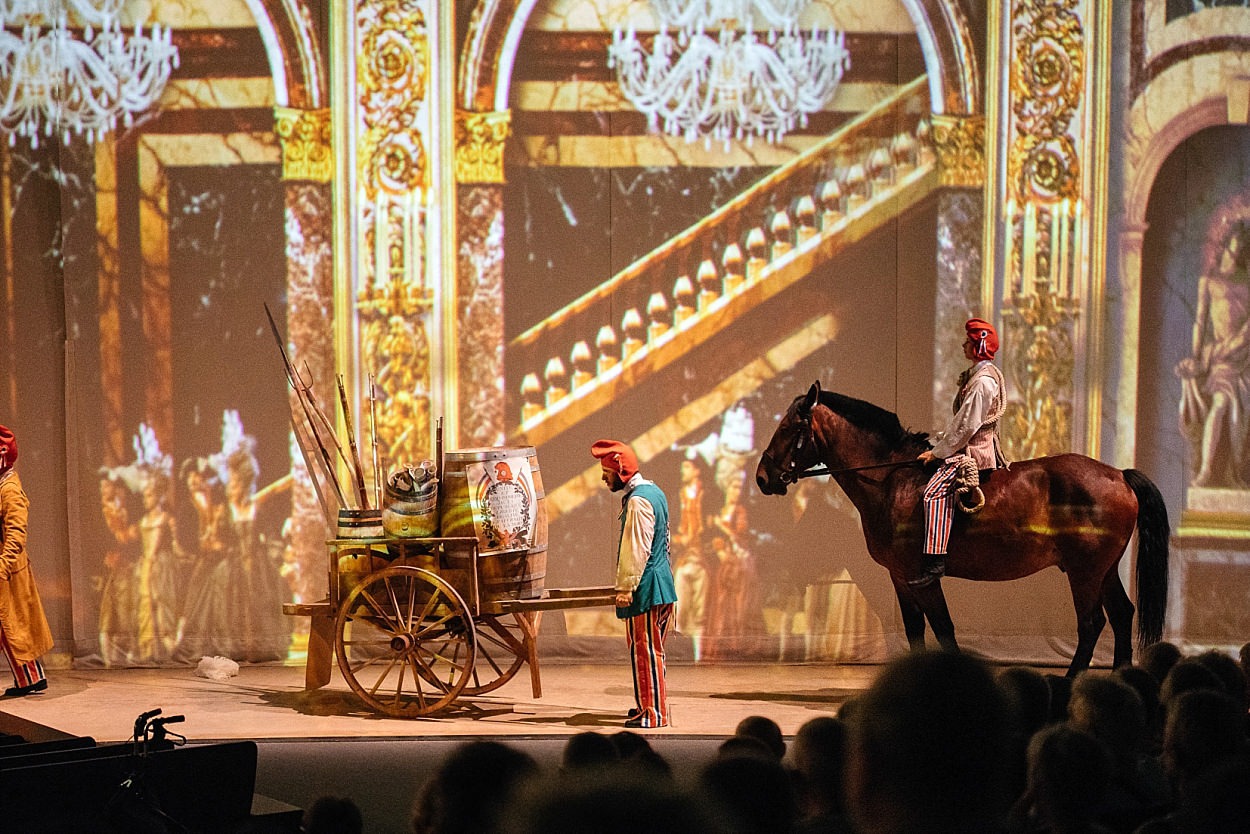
x=971, y=432
x=645, y=593
x=24, y=632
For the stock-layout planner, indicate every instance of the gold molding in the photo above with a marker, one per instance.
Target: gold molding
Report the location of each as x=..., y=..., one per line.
x=307, y=149
x=1047, y=83
x=960, y=145
x=392, y=77
x=480, y=139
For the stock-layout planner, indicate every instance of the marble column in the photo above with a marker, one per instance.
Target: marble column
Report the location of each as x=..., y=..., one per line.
x=480, y=139
x=960, y=146
x=306, y=170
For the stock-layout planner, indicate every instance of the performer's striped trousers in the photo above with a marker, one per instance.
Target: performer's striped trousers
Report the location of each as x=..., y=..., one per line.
x=646, y=633
x=25, y=672
x=939, y=508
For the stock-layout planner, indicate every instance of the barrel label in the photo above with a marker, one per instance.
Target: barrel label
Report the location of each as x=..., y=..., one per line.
x=501, y=494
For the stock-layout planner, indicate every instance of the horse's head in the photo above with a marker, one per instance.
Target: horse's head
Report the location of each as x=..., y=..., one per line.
x=792, y=449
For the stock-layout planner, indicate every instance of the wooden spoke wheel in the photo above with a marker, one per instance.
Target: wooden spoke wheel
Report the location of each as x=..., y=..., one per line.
x=405, y=642
x=501, y=651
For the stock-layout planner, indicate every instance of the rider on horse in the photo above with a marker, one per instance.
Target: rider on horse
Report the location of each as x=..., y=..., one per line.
x=972, y=432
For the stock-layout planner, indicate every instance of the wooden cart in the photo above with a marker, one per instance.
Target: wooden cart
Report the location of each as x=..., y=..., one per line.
x=413, y=629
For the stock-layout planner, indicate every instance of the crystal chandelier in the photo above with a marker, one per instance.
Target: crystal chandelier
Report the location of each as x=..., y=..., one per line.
x=717, y=77
x=55, y=79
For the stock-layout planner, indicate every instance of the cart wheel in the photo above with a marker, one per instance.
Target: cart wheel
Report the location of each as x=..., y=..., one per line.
x=410, y=646
x=500, y=652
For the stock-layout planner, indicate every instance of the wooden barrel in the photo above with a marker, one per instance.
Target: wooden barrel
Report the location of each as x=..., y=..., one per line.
x=360, y=524
x=357, y=562
x=496, y=495
x=413, y=518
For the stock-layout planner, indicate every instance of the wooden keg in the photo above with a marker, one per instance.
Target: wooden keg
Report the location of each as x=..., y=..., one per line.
x=360, y=524
x=357, y=562
x=496, y=495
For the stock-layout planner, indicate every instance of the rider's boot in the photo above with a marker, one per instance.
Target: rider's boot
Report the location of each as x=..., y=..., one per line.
x=932, y=569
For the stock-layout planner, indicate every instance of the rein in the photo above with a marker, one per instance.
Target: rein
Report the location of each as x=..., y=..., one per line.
x=825, y=470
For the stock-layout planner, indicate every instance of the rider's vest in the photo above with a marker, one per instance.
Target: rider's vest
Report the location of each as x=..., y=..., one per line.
x=983, y=446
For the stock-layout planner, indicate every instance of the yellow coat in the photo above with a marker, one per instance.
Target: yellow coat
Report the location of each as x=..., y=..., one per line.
x=21, y=613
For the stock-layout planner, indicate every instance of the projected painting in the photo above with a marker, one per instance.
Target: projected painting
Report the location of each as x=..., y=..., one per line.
x=595, y=278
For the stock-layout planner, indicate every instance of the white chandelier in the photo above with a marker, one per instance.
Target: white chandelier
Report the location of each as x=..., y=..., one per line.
x=56, y=80
x=713, y=79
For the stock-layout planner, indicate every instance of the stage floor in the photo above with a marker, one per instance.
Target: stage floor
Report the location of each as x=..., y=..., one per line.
x=270, y=703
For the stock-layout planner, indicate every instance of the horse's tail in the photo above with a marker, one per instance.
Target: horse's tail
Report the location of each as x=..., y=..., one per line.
x=1153, y=532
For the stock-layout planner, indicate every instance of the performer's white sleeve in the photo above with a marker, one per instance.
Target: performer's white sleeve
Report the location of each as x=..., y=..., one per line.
x=636, y=541
x=971, y=416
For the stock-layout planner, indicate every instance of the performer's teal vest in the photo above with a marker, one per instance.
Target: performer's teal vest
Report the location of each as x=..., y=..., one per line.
x=656, y=585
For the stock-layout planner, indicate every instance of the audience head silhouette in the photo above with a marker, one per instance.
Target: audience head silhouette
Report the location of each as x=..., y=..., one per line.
x=928, y=749
x=471, y=789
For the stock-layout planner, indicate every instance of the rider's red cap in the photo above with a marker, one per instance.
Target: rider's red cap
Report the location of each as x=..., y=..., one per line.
x=984, y=338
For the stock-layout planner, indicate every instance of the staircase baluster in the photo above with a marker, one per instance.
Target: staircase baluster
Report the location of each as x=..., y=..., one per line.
x=924, y=137
x=709, y=285
x=659, y=319
x=531, y=397
x=557, y=381
x=684, y=300
x=735, y=274
x=757, y=249
x=781, y=229
x=635, y=332
x=881, y=175
x=830, y=204
x=856, y=187
x=805, y=214
x=583, y=363
x=606, y=343
x=903, y=149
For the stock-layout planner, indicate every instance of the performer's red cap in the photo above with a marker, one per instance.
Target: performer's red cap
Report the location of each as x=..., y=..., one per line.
x=613, y=454
x=984, y=338
x=8, y=448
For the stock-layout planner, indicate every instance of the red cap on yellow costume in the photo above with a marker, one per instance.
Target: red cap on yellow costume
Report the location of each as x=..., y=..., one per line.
x=8, y=448
x=615, y=455
x=984, y=338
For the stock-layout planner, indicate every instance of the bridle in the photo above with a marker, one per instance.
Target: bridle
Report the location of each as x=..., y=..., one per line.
x=791, y=473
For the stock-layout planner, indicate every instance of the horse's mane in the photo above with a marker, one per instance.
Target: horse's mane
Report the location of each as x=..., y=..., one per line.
x=873, y=418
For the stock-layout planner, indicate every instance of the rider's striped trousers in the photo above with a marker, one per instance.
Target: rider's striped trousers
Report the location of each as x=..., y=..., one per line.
x=939, y=508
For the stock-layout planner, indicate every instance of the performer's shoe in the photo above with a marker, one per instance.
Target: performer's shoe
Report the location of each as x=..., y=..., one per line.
x=633, y=713
x=19, y=691
x=634, y=723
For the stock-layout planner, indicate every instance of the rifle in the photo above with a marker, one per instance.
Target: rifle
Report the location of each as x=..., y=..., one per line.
x=303, y=393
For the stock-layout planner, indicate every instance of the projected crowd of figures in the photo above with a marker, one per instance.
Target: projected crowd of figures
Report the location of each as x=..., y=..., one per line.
x=197, y=563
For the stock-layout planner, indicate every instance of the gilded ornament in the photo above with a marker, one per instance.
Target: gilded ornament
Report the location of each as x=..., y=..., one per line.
x=960, y=145
x=392, y=69
x=1047, y=79
x=392, y=76
x=480, y=140
x=306, y=143
x=1039, y=419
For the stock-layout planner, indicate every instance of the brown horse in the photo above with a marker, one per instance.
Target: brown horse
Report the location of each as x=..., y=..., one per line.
x=1069, y=510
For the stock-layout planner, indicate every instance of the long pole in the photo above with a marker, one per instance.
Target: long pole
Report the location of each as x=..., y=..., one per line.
x=309, y=406
x=373, y=434
x=351, y=442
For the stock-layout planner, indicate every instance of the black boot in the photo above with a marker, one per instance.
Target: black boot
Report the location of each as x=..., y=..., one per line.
x=932, y=568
